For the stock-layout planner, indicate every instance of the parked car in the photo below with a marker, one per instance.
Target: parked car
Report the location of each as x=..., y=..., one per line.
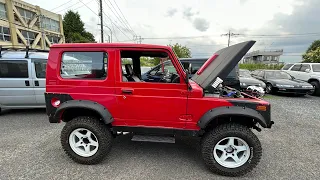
x=155, y=75
x=308, y=72
x=99, y=106
x=247, y=80
x=282, y=82
x=22, y=79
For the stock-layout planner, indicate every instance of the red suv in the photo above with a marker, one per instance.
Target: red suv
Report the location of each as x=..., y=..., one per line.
x=97, y=90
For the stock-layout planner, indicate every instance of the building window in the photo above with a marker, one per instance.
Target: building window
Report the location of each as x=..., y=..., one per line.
x=4, y=34
x=53, y=39
x=50, y=24
x=26, y=14
x=29, y=36
x=3, y=11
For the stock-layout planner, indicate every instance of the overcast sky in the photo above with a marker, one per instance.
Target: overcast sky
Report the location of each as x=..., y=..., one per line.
x=295, y=24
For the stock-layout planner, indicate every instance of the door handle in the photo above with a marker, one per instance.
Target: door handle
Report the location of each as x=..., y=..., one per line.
x=27, y=83
x=36, y=83
x=127, y=91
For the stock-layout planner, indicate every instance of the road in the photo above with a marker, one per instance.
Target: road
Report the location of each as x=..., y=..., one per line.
x=30, y=149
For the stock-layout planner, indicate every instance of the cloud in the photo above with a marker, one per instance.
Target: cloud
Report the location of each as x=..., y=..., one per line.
x=188, y=14
x=171, y=12
x=201, y=24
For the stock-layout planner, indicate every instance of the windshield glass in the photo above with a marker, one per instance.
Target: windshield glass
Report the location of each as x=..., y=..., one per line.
x=244, y=73
x=316, y=67
x=277, y=75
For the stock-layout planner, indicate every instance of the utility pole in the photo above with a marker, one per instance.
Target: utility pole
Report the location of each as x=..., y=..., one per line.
x=229, y=36
x=101, y=19
x=138, y=39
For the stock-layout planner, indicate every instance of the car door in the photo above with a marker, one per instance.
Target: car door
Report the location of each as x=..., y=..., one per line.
x=151, y=104
x=38, y=71
x=303, y=73
x=16, y=88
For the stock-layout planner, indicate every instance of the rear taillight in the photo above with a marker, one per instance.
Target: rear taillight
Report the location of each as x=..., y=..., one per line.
x=55, y=102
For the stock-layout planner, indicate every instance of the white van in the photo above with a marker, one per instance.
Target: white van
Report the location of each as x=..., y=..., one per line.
x=22, y=79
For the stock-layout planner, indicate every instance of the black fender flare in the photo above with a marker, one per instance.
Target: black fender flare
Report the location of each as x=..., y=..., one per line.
x=85, y=104
x=231, y=111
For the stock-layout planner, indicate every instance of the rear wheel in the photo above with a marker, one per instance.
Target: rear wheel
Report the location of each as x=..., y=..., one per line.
x=316, y=86
x=86, y=140
x=231, y=150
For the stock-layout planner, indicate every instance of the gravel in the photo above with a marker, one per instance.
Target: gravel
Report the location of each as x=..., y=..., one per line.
x=30, y=149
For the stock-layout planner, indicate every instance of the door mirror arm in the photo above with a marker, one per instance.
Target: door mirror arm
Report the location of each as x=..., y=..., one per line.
x=187, y=80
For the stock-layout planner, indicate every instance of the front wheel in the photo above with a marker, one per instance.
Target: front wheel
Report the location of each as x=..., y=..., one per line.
x=86, y=140
x=269, y=88
x=231, y=150
x=316, y=86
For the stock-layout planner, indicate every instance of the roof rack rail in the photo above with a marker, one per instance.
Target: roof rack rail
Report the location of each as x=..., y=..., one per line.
x=15, y=48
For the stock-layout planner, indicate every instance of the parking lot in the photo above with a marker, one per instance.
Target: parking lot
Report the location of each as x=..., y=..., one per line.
x=30, y=149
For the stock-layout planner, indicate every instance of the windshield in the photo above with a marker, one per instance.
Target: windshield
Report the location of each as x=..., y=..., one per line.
x=277, y=75
x=244, y=73
x=316, y=67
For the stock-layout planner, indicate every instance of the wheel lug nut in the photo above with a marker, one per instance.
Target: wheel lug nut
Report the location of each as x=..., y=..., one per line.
x=232, y=154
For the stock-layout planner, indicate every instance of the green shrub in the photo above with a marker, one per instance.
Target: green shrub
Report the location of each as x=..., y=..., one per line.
x=252, y=67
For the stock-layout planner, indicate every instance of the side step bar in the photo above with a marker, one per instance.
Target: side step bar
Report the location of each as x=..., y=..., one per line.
x=147, y=138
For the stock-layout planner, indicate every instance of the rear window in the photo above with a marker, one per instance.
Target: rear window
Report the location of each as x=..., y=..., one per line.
x=14, y=69
x=84, y=65
x=316, y=67
x=287, y=66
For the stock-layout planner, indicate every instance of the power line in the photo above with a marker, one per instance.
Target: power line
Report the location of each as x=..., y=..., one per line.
x=69, y=7
x=119, y=17
x=229, y=34
x=124, y=17
x=61, y=5
x=115, y=25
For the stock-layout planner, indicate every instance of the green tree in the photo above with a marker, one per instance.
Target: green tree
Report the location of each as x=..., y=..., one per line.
x=181, y=51
x=313, y=52
x=74, y=30
x=312, y=56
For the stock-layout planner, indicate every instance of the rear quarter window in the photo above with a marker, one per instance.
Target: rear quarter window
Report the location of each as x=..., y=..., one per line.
x=14, y=69
x=84, y=65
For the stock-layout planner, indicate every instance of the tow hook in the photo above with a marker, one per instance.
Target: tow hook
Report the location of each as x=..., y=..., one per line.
x=257, y=128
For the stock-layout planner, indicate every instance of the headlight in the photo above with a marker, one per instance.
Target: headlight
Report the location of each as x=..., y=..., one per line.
x=284, y=86
x=308, y=86
x=243, y=84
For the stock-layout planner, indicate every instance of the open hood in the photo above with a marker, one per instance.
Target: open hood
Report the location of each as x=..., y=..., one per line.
x=221, y=64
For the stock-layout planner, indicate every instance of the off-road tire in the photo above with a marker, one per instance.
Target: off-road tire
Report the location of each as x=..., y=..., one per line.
x=211, y=138
x=316, y=86
x=100, y=130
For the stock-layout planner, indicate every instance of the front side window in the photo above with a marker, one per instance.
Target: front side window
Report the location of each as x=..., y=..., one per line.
x=296, y=67
x=14, y=69
x=304, y=67
x=40, y=68
x=84, y=65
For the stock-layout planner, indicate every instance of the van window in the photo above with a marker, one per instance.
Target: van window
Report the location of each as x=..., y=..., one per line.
x=40, y=68
x=14, y=69
x=84, y=65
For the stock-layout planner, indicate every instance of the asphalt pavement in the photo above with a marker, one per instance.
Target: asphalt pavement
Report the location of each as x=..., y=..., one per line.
x=30, y=149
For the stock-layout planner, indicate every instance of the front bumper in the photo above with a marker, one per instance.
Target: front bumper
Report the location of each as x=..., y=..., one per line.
x=295, y=90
